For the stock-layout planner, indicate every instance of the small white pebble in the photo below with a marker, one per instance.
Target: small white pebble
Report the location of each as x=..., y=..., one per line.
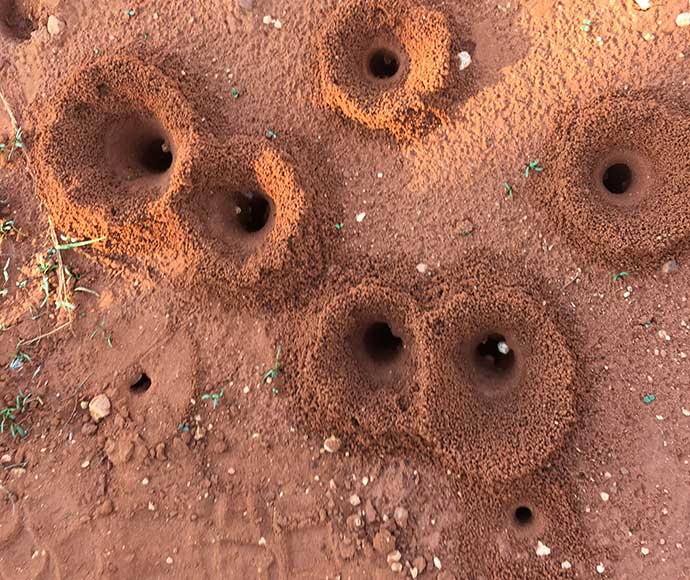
x=168, y=560
x=644, y=550
x=604, y=496
x=643, y=4
x=267, y=19
x=437, y=562
x=86, y=464
x=277, y=24
x=600, y=568
x=542, y=549
x=379, y=175
x=365, y=481
x=360, y=216
x=262, y=541
x=683, y=19
x=465, y=59
x=686, y=412
x=145, y=481
x=566, y=565
x=152, y=507
x=421, y=268
x=354, y=500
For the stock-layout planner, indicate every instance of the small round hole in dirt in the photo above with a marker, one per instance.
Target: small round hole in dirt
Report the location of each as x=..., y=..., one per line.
x=523, y=516
x=141, y=385
x=617, y=178
x=253, y=211
x=493, y=354
x=380, y=344
x=156, y=156
x=384, y=64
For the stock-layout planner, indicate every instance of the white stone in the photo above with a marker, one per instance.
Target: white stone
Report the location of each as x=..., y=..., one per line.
x=55, y=25
x=683, y=19
x=604, y=496
x=354, y=500
x=566, y=565
x=99, y=407
x=600, y=568
x=332, y=444
x=644, y=551
x=465, y=59
x=643, y=4
x=421, y=268
x=542, y=549
x=437, y=562
x=360, y=217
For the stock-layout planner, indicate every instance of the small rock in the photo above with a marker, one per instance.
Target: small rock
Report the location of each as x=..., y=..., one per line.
x=384, y=542
x=360, y=217
x=6, y=459
x=99, y=407
x=645, y=551
x=105, y=508
x=396, y=567
x=421, y=268
x=89, y=429
x=85, y=464
x=604, y=496
x=262, y=541
x=465, y=59
x=394, y=556
x=17, y=472
x=600, y=568
x=670, y=266
x=683, y=19
x=152, y=507
x=400, y=516
x=55, y=25
x=643, y=4
x=84, y=405
x=542, y=549
x=419, y=563
x=354, y=500
x=685, y=411
x=437, y=563
x=332, y=444
x=354, y=522
x=168, y=560
x=246, y=4
x=566, y=565
x=370, y=512
x=160, y=452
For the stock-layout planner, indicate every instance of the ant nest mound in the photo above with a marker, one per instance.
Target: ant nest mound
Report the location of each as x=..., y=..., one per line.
x=253, y=220
x=112, y=147
x=496, y=383
x=360, y=370
x=618, y=177
x=381, y=60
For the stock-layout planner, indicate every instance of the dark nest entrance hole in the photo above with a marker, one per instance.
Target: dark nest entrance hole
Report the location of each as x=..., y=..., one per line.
x=380, y=344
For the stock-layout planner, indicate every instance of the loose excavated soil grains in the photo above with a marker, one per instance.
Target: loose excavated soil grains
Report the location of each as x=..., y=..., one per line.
x=349, y=289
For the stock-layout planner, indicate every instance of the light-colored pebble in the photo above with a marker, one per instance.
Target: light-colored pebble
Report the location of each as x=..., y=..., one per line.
x=600, y=568
x=354, y=500
x=465, y=59
x=643, y=4
x=360, y=217
x=437, y=563
x=55, y=25
x=604, y=496
x=542, y=549
x=99, y=407
x=644, y=550
x=332, y=444
x=683, y=19
x=566, y=565
x=421, y=268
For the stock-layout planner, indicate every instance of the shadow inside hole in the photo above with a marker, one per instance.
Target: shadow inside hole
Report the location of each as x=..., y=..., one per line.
x=141, y=385
x=617, y=178
x=523, y=516
x=155, y=156
x=493, y=355
x=253, y=211
x=15, y=22
x=380, y=344
x=383, y=64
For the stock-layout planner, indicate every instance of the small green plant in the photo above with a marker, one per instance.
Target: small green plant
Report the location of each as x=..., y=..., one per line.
x=17, y=142
x=620, y=276
x=271, y=135
x=508, y=189
x=9, y=416
x=215, y=397
x=533, y=166
x=235, y=93
x=271, y=374
x=20, y=357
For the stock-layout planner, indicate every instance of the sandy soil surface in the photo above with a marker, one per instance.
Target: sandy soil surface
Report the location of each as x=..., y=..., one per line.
x=358, y=289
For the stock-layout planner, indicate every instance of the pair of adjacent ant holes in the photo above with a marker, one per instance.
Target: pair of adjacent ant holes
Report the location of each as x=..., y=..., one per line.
x=492, y=354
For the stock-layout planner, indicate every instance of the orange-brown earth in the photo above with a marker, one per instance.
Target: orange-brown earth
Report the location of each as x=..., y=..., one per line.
x=472, y=277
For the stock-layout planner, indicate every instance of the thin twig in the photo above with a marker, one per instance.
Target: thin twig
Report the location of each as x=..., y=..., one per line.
x=42, y=336
x=76, y=399
x=573, y=279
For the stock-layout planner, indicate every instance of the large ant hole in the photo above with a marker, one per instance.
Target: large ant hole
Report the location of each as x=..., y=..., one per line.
x=380, y=344
x=141, y=385
x=523, y=515
x=383, y=63
x=617, y=178
x=17, y=24
x=253, y=211
x=494, y=355
x=156, y=156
